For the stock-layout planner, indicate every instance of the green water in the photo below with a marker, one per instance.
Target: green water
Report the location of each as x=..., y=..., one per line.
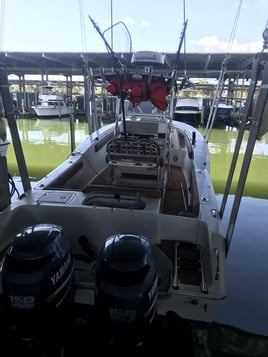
x=222, y=145
x=47, y=143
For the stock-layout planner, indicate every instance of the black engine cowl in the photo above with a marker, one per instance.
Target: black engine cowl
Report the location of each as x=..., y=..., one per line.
x=37, y=274
x=126, y=286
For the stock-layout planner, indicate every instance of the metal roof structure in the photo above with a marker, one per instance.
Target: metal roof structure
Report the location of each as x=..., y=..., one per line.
x=196, y=65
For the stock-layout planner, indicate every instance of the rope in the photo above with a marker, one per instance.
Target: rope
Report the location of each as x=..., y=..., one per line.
x=2, y=20
x=221, y=80
x=82, y=24
x=12, y=186
x=231, y=41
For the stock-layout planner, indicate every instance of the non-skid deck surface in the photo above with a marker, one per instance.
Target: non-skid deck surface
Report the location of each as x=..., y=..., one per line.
x=174, y=202
x=175, y=196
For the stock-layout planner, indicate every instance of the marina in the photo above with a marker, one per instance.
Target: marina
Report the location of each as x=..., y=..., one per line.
x=128, y=230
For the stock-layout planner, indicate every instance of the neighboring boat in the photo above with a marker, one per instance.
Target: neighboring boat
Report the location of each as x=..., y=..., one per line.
x=224, y=113
x=125, y=233
x=188, y=110
x=52, y=106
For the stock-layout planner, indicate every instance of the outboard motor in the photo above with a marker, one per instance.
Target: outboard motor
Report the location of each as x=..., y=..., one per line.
x=37, y=274
x=126, y=288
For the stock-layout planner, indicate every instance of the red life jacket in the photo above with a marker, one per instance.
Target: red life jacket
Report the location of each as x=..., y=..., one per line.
x=138, y=90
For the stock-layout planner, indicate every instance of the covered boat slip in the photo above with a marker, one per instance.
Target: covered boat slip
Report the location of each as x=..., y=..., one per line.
x=124, y=233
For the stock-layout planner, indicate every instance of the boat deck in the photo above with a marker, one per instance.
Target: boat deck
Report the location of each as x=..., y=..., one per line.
x=173, y=200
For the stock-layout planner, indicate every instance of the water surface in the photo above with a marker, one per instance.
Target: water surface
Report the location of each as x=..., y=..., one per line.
x=47, y=143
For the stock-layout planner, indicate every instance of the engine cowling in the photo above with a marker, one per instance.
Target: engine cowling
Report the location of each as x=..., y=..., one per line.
x=126, y=286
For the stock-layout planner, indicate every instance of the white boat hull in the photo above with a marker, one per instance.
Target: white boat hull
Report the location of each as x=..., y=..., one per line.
x=80, y=206
x=46, y=113
x=52, y=106
x=188, y=110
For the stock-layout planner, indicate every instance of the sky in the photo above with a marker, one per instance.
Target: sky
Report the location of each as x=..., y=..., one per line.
x=64, y=25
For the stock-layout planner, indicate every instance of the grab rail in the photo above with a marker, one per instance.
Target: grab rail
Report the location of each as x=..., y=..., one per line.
x=133, y=149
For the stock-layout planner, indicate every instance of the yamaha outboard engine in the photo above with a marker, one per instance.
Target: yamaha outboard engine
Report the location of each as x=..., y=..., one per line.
x=126, y=288
x=37, y=274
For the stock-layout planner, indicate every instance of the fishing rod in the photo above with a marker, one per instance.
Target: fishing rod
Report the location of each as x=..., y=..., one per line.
x=119, y=64
x=174, y=72
x=180, y=44
x=182, y=39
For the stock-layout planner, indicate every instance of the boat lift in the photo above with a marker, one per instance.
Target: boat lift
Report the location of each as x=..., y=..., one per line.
x=258, y=127
x=221, y=80
x=216, y=98
x=9, y=112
